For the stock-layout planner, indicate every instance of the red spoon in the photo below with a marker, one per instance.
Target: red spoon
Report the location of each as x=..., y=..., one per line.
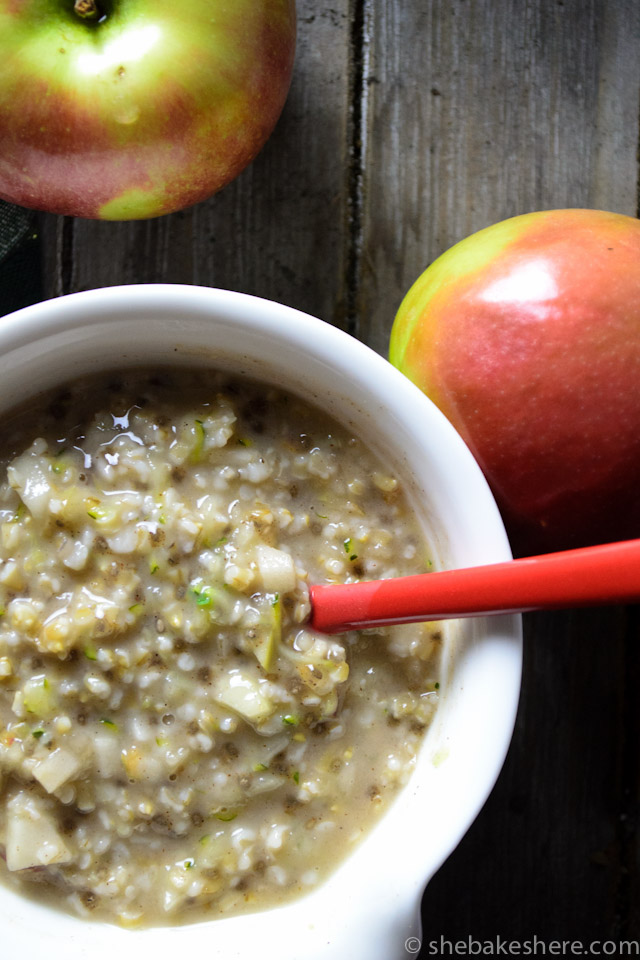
x=586, y=577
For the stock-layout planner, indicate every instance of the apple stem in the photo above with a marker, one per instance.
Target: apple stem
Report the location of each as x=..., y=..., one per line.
x=86, y=9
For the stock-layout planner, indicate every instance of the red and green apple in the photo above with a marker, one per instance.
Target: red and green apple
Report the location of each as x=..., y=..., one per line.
x=527, y=336
x=128, y=109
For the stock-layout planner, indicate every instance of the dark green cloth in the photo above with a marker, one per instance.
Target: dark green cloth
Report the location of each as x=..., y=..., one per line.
x=20, y=260
x=15, y=225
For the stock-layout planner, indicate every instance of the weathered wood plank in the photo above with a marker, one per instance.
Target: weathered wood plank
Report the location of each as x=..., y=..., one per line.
x=473, y=112
x=276, y=232
x=476, y=111
x=554, y=852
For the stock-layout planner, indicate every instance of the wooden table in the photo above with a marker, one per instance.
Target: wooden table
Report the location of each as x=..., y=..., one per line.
x=410, y=124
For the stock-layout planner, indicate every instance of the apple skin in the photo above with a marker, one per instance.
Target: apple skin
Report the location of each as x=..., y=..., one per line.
x=527, y=336
x=151, y=109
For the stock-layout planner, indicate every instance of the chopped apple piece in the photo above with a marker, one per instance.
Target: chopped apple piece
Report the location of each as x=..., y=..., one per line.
x=56, y=769
x=243, y=695
x=106, y=753
x=268, y=632
x=276, y=569
x=31, y=476
x=33, y=839
x=39, y=697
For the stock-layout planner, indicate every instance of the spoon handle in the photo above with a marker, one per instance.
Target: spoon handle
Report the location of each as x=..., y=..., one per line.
x=589, y=576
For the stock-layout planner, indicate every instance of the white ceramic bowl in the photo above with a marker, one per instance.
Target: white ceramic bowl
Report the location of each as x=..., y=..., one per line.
x=370, y=905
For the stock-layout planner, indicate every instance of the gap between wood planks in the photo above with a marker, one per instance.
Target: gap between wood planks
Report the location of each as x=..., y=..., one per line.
x=356, y=154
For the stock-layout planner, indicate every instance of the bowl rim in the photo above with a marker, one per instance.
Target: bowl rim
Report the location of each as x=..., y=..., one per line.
x=395, y=897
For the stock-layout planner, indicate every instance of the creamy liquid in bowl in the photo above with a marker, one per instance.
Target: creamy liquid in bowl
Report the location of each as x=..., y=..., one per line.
x=175, y=743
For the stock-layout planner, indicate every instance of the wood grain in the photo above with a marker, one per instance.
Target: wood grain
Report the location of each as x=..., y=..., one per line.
x=555, y=852
x=473, y=112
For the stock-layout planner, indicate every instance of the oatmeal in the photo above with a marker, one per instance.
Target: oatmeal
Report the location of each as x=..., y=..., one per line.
x=175, y=742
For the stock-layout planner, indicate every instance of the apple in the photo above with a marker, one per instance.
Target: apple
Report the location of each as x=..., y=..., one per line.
x=527, y=336
x=128, y=109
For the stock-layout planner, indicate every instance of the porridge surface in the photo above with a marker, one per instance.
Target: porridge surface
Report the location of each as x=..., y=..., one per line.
x=175, y=742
